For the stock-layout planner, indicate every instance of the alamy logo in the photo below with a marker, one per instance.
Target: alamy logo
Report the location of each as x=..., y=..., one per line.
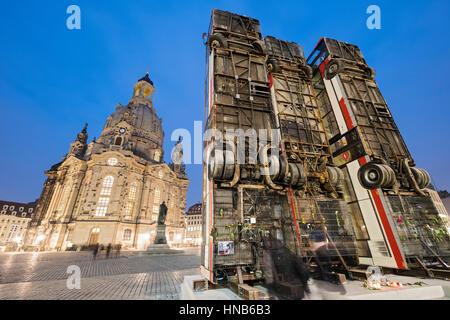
x=74, y=280
x=374, y=20
x=74, y=20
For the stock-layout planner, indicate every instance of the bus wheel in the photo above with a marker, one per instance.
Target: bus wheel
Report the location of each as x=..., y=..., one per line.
x=332, y=69
x=217, y=41
x=260, y=47
x=302, y=177
x=421, y=176
x=228, y=170
x=332, y=176
x=273, y=66
x=427, y=177
x=293, y=174
x=373, y=176
x=216, y=164
x=275, y=167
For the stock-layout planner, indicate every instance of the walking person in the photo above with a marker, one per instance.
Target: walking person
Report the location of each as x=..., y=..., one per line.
x=95, y=251
x=329, y=285
x=286, y=274
x=108, y=250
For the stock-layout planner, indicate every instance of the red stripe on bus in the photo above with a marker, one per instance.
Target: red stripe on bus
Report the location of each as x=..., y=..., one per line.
x=210, y=241
x=294, y=217
x=322, y=69
x=346, y=114
x=387, y=227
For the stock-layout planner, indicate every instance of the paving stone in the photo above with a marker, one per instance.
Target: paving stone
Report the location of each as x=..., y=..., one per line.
x=132, y=276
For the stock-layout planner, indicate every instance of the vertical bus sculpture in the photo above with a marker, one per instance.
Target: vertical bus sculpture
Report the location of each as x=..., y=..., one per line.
x=316, y=196
x=395, y=220
x=238, y=208
x=253, y=185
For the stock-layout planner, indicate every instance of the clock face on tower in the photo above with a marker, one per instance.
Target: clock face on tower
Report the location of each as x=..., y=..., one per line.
x=112, y=161
x=122, y=130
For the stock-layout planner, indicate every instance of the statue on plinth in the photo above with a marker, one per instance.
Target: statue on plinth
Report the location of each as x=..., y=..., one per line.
x=162, y=213
x=161, y=228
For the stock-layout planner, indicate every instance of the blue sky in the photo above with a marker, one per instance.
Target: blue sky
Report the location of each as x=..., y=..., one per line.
x=53, y=80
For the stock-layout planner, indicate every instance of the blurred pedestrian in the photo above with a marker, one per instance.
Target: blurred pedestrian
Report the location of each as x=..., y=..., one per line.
x=95, y=251
x=285, y=273
x=108, y=250
x=323, y=258
x=322, y=255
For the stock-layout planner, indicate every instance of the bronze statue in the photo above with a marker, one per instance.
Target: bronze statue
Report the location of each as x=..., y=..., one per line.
x=162, y=213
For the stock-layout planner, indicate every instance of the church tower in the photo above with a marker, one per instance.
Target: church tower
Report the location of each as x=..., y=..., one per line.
x=135, y=127
x=110, y=190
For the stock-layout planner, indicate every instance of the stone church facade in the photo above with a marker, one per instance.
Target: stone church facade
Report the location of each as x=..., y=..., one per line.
x=110, y=190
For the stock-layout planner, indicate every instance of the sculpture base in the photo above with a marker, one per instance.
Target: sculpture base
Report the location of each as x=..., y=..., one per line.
x=162, y=249
x=161, y=235
x=160, y=245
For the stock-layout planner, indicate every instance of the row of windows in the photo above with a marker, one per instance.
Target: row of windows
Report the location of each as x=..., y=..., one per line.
x=106, y=191
x=11, y=208
x=194, y=228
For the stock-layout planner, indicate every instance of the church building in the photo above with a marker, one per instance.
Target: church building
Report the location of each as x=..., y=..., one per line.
x=110, y=190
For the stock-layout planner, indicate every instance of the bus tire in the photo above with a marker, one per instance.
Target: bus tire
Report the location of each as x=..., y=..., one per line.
x=293, y=173
x=216, y=164
x=273, y=66
x=332, y=69
x=302, y=176
x=374, y=176
x=217, y=40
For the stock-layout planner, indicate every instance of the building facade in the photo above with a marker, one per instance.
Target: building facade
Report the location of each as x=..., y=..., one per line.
x=110, y=190
x=193, y=236
x=440, y=207
x=14, y=220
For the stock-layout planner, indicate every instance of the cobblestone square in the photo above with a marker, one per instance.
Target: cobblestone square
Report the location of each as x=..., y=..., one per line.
x=132, y=276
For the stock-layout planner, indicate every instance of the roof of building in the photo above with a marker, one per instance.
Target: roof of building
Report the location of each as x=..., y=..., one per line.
x=195, y=209
x=446, y=202
x=17, y=209
x=146, y=79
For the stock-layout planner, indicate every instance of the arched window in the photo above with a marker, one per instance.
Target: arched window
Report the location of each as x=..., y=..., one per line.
x=132, y=193
x=129, y=210
x=118, y=141
x=108, y=182
x=157, y=196
x=127, y=235
x=131, y=197
x=105, y=194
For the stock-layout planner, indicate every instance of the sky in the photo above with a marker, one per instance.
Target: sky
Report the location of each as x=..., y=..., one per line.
x=53, y=80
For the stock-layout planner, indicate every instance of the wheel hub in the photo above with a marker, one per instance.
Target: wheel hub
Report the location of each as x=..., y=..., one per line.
x=372, y=175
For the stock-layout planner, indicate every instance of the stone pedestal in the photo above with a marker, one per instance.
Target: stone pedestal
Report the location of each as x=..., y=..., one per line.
x=160, y=245
x=161, y=235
